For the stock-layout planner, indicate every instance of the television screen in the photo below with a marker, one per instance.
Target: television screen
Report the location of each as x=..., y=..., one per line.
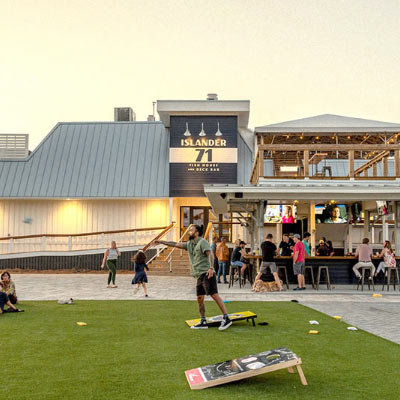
x=331, y=214
x=382, y=207
x=280, y=214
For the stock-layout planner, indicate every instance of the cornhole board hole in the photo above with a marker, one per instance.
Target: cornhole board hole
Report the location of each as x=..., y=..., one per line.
x=244, y=367
x=216, y=321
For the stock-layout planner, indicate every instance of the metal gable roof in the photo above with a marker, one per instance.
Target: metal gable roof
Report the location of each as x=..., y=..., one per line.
x=330, y=123
x=92, y=160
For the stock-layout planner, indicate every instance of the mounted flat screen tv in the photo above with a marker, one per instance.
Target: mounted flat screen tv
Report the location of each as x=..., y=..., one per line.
x=382, y=207
x=331, y=214
x=280, y=214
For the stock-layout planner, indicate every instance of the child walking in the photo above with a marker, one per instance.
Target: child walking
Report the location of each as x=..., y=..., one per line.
x=140, y=277
x=111, y=256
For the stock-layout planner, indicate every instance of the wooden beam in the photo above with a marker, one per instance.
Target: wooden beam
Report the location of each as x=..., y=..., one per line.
x=385, y=171
x=306, y=156
x=330, y=147
x=351, y=163
x=374, y=170
x=397, y=163
x=261, y=163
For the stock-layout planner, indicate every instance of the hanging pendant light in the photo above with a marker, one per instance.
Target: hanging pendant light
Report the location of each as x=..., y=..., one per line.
x=218, y=133
x=187, y=133
x=202, y=133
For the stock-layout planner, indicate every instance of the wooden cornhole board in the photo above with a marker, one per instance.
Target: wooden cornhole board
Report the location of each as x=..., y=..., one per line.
x=216, y=320
x=245, y=367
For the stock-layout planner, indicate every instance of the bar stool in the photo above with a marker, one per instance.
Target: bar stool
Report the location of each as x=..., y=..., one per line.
x=232, y=270
x=278, y=268
x=370, y=278
x=312, y=274
x=395, y=275
x=328, y=281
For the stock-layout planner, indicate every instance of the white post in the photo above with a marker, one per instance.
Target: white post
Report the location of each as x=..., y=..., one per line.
x=44, y=243
x=385, y=227
x=103, y=243
x=397, y=227
x=134, y=237
x=69, y=243
x=11, y=245
x=367, y=224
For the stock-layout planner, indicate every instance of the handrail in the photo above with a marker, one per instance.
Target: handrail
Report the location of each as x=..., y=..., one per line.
x=159, y=236
x=168, y=259
x=208, y=230
x=84, y=234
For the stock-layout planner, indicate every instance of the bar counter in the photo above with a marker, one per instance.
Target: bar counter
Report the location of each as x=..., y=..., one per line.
x=340, y=268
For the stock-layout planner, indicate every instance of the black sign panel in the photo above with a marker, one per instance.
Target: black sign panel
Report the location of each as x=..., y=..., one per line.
x=203, y=150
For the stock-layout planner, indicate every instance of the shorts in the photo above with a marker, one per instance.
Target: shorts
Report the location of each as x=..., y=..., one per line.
x=237, y=263
x=268, y=264
x=206, y=286
x=298, y=268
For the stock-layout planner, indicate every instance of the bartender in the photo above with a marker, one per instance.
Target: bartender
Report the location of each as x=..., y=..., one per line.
x=286, y=246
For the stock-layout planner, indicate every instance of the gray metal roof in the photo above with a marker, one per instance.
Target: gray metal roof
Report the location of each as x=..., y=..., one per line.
x=330, y=123
x=92, y=160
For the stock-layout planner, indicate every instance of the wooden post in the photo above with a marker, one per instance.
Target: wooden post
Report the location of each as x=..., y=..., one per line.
x=312, y=227
x=366, y=224
x=306, y=158
x=351, y=163
x=396, y=164
x=366, y=172
x=301, y=374
x=260, y=222
x=374, y=170
x=385, y=167
x=261, y=163
x=397, y=227
x=350, y=232
x=385, y=227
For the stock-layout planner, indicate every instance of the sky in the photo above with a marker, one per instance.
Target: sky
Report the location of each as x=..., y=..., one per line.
x=75, y=60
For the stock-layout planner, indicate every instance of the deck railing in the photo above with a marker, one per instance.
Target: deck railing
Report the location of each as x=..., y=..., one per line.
x=78, y=241
x=327, y=161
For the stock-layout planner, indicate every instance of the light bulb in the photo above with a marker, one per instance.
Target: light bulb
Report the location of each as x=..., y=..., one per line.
x=187, y=133
x=218, y=133
x=202, y=133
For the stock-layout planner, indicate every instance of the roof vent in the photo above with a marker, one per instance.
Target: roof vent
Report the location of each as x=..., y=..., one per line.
x=124, y=114
x=151, y=118
x=212, y=96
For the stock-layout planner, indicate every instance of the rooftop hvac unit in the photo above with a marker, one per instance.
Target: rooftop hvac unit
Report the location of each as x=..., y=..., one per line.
x=124, y=114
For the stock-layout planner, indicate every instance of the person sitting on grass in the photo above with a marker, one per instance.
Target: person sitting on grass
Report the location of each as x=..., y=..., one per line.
x=9, y=287
x=4, y=300
x=111, y=256
x=140, y=277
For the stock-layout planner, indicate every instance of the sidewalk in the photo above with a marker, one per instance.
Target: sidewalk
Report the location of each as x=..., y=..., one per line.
x=379, y=316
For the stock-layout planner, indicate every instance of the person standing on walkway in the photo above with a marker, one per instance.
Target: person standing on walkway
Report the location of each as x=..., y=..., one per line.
x=110, y=257
x=140, y=277
x=364, y=254
x=202, y=268
x=269, y=251
x=223, y=257
x=299, y=262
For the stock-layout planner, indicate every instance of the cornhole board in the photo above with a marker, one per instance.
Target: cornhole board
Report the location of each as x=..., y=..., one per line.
x=244, y=367
x=215, y=321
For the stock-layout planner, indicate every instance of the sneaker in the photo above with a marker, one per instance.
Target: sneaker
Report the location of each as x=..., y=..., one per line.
x=114, y=286
x=201, y=325
x=303, y=288
x=146, y=295
x=225, y=324
x=297, y=288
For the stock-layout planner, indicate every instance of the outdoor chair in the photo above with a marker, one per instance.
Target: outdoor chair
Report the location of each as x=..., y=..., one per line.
x=310, y=267
x=328, y=281
x=395, y=275
x=232, y=270
x=279, y=267
x=369, y=280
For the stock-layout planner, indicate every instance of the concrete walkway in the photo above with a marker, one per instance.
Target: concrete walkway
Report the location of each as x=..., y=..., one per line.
x=379, y=316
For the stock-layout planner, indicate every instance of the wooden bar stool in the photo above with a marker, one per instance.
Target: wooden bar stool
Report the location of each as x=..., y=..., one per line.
x=312, y=274
x=232, y=269
x=278, y=268
x=328, y=281
x=388, y=280
x=370, y=278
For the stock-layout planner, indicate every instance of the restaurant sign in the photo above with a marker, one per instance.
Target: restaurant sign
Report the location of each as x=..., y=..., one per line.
x=203, y=150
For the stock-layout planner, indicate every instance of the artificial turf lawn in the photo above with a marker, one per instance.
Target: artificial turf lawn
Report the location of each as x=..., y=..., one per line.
x=140, y=350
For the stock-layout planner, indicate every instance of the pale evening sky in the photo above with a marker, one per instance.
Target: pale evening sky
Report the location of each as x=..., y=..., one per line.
x=75, y=60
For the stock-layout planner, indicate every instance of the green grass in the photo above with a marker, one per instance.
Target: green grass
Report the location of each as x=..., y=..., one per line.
x=140, y=350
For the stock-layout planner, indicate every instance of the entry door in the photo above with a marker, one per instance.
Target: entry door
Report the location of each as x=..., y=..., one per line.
x=195, y=216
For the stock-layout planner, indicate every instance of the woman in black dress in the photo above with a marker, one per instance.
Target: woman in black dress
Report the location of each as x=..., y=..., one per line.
x=140, y=277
